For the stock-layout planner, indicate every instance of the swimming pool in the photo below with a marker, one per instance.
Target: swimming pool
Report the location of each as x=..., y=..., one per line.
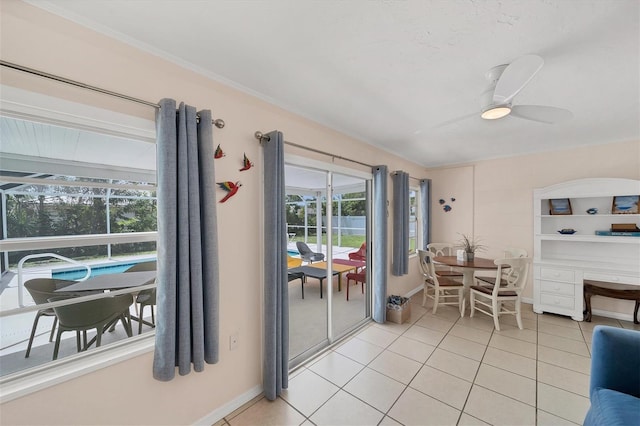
x=76, y=273
x=293, y=253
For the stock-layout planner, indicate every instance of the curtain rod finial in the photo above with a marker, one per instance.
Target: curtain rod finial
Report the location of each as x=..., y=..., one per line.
x=219, y=123
x=261, y=136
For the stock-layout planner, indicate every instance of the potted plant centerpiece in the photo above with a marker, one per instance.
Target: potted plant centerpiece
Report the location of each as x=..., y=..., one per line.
x=470, y=245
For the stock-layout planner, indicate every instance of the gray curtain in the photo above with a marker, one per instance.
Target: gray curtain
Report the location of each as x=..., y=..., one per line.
x=425, y=210
x=187, y=291
x=379, y=255
x=276, y=297
x=400, y=262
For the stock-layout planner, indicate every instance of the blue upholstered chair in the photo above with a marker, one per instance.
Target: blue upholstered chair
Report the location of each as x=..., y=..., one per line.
x=615, y=377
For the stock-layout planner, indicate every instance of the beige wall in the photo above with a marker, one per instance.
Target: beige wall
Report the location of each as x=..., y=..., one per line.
x=493, y=200
x=37, y=39
x=497, y=196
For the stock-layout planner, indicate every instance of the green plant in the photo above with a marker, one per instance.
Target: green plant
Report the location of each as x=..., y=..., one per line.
x=470, y=244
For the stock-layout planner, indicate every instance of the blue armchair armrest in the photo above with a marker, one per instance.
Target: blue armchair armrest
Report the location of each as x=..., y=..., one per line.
x=614, y=389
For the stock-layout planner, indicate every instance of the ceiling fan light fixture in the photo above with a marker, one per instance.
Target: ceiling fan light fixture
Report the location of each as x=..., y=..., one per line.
x=495, y=112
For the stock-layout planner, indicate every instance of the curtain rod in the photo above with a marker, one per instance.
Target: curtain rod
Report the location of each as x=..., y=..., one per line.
x=262, y=137
x=219, y=123
x=410, y=177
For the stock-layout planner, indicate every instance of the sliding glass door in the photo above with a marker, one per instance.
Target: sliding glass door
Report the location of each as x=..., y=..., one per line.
x=327, y=229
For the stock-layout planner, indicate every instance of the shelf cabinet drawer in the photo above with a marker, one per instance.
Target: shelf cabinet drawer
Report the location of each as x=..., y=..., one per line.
x=558, y=301
x=554, y=274
x=554, y=287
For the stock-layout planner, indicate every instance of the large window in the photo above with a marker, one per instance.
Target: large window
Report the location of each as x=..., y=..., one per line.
x=78, y=201
x=413, y=221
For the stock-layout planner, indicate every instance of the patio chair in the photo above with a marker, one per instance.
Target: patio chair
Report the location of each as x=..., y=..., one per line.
x=358, y=277
x=361, y=254
x=307, y=255
x=41, y=289
x=145, y=297
x=97, y=314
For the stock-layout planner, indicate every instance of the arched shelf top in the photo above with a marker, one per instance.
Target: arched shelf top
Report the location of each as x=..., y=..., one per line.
x=590, y=187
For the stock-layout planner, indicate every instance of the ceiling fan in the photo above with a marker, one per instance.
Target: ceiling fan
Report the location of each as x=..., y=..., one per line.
x=505, y=82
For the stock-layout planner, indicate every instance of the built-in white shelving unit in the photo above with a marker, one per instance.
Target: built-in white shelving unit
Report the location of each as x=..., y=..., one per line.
x=562, y=262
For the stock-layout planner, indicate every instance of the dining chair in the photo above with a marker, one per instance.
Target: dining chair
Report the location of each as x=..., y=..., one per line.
x=507, y=287
x=41, y=289
x=145, y=297
x=360, y=254
x=97, y=314
x=508, y=253
x=443, y=289
x=307, y=255
x=358, y=277
x=443, y=249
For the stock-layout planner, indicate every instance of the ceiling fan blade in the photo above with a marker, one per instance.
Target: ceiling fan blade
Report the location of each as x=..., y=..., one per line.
x=541, y=114
x=515, y=76
x=454, y=120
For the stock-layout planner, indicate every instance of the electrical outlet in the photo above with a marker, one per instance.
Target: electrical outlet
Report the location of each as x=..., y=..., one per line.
x=233, y=341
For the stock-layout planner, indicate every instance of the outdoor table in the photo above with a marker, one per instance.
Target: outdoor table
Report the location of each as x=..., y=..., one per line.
x=312, y=272
x=112, y=282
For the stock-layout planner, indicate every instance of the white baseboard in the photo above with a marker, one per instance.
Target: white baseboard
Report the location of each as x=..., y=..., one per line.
x=228, y=408
x=414, y=291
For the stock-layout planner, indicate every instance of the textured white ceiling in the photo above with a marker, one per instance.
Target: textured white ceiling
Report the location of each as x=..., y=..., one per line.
x=395, y=73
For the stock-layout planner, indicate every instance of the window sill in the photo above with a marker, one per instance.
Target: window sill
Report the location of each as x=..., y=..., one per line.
x=23, y=383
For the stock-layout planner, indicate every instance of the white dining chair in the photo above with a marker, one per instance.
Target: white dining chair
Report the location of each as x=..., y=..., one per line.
x=444, y=249
x=443, y=290
x=507, y=287
x=508, y=253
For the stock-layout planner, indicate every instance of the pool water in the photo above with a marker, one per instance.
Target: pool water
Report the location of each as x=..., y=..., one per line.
x=76, y=273
x=293, y=253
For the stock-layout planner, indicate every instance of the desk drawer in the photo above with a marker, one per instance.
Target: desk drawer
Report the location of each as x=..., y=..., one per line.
x=611, y=278
x=557, y=274
x=555, y=287
x=559, y=301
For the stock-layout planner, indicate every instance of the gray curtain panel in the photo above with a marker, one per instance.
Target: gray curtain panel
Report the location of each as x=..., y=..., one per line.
x=276, y=294
x=400, y=261
x=187, y=289
x=425, y=210
x=379, y=255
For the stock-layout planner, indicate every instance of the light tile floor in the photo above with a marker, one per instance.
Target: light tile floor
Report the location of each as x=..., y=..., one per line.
x=442, y=370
